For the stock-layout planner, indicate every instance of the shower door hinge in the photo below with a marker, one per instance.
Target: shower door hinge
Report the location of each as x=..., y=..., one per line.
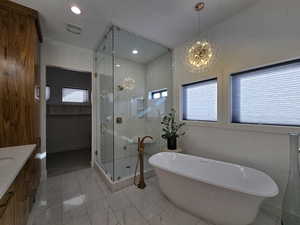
x=96, y=152
x=96, y=75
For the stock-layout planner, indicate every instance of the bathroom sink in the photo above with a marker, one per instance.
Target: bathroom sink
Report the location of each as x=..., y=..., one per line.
x=5, y=161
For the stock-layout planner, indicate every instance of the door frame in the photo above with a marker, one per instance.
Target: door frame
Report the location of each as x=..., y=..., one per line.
x=43, y=113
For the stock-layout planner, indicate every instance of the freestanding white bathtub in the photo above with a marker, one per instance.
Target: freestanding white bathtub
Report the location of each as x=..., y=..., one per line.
x=219, y=192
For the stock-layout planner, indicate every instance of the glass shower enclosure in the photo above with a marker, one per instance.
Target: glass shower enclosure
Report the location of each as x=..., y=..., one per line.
x=134, y=91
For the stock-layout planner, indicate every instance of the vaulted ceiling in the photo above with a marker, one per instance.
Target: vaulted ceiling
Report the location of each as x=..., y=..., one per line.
x=168, y=22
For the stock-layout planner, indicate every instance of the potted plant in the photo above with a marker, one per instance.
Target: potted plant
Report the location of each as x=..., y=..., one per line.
x=171, y=129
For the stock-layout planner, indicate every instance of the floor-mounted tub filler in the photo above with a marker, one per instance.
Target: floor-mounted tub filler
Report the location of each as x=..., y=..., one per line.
x=220, y=192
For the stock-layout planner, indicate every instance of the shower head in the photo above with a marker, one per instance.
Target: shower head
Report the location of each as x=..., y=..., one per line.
x=120, y=88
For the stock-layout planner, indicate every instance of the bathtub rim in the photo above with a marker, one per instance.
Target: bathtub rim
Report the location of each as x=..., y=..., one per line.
x=229, y=187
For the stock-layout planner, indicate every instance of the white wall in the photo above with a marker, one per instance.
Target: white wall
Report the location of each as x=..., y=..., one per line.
x=54, y=53
x=125, y=107
x=67, y=56
x=263, y=34
x=159, y=76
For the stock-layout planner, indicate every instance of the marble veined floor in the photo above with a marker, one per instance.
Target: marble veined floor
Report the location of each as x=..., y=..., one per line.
x=82, y=198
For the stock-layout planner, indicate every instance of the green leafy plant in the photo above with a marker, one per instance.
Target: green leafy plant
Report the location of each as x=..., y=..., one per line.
x=170, y=127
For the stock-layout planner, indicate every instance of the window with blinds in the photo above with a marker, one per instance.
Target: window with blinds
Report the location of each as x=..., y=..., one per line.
x=75, y=95
x=269, y=95
x=200, y=101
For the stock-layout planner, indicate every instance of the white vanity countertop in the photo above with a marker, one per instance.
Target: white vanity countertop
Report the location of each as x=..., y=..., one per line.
x=12, y=160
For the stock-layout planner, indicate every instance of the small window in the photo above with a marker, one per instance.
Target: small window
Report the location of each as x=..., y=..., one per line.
x=164, y=94
x=200, y=101
x=268, y=95
x=159, y=94
x=75, y=95
x=156, y=95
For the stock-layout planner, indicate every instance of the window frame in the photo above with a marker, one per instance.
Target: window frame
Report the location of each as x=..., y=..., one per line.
x=224, y=103
x=152, y=93
x=269, y=66
x=182, y=105
x=76, y=103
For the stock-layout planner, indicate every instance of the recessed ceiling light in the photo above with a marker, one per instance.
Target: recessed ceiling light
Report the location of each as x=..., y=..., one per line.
x=118, y=65
x=75, y=9
x=135, y=52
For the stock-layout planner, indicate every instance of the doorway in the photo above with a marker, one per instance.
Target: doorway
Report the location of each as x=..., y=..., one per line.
x=68, y=120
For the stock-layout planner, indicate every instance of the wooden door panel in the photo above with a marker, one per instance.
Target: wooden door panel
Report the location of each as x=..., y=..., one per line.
x=17, y=95
x=4, y=24
x=7, y=212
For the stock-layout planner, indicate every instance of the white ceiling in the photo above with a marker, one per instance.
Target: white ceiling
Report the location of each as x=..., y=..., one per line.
x=169, y=22
x=125, y=42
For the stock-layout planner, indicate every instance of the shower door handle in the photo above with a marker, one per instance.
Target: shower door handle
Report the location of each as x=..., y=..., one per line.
x=102, y=127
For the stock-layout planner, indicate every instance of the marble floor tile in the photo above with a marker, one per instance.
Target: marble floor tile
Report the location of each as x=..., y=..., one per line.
x=93, y=191
x=82, y=220
x=74, y=214
x=130, y=216
x=264, y=219
x=97, y=206
x=174, y=216
x=51, y=216
x=72, y=204
x=105, y=216
x=49, y=194
x=118, y=200
x=82, y=198
x=202, y=222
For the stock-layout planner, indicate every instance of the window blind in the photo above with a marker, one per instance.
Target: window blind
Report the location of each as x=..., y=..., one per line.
x=75, y=95
x=200, y=101
x=270, y=95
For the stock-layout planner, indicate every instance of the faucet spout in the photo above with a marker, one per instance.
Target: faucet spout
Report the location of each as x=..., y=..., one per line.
x=141, y=149
x=142, y=144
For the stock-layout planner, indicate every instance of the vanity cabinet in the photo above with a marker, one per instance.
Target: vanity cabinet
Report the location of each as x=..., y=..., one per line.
x=16, y=204
x=7, y=208
x=19, y=104
x=19, y=75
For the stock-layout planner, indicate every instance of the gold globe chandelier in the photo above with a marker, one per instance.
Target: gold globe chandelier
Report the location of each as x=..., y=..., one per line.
x=199, y=54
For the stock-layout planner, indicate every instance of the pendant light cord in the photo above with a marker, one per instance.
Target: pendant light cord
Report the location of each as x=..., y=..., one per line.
x=198, y=23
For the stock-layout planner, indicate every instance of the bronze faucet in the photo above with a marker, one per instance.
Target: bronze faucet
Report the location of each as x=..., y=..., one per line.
x=141, y=149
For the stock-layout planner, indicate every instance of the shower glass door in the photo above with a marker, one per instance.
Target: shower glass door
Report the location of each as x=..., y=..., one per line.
x=134, y=91
x=105, y=104
x=141, y=69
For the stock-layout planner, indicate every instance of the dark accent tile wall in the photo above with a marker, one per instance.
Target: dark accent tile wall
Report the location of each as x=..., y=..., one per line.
x=68, y=125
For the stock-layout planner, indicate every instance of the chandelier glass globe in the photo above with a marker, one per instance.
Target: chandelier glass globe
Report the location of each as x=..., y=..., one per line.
x=199, y=55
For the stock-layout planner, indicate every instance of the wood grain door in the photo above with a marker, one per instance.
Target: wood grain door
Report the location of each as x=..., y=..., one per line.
x=4, y=26
x=17, y=83
x=8, y=217
x=20, y=210
x=7, y=209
